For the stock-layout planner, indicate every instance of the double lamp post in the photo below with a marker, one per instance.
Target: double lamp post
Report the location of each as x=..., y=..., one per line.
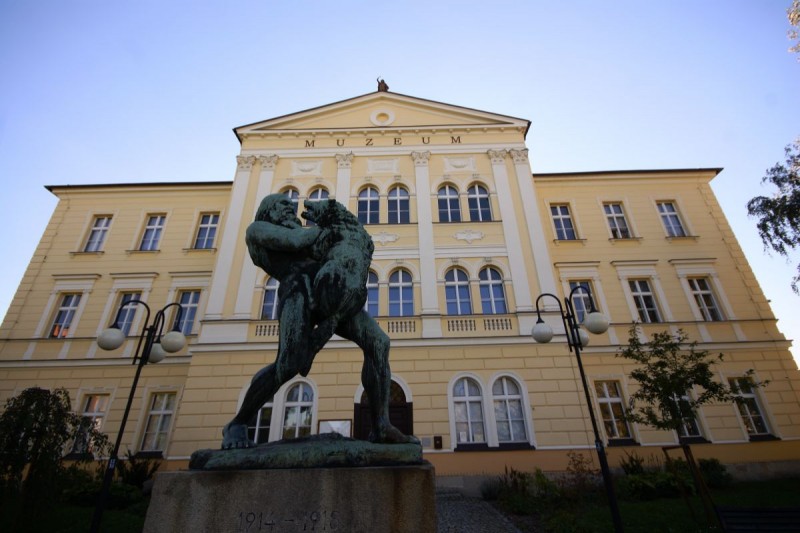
x=577, y=338
x=151, y=348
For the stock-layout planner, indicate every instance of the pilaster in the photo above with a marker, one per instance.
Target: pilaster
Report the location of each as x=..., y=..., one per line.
x=432, y=326
x=344, y=163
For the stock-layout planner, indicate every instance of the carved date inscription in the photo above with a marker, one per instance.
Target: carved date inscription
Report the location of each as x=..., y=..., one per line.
x=271, y=521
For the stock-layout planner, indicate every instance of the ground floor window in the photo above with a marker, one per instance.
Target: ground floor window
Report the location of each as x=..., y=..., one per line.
x=159, y=421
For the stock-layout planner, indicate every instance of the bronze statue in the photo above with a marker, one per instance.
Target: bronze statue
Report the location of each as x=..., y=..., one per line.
x=322, y=272
x=382, y=85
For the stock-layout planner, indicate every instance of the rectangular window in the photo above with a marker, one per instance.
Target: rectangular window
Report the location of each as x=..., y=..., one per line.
x=206, y=231
x=616, y=221
x=689, y=426
x=65, y=315
x=159, y=420
x=671, y=219
x=92, y=416
x=645, y=300
x=189, y=301
x=704, y=298
x=749, y=406
x=127, y=312
x=612, y=409
x=152, y=232
x=562, y=220
x=97, y=235
x=258, y=427
x=580, y=298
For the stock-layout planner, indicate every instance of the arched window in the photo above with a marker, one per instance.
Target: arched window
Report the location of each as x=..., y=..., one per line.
x=508, y=411
x=316, y=195
x=269, y=307
x=371, y=305
x=297, y=411
x=368, y=206
x=398, y=206
x=480, y=209
x=493, y=296
x=468, y=411
x=401, y=293
x=456, y=292
x=293, y=196
x=449, y=209
x=258, y=427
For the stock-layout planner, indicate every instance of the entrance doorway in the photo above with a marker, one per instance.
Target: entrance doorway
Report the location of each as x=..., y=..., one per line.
x=401, y=413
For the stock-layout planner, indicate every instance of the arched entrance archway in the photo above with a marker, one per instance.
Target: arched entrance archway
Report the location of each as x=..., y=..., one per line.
x=401, y=413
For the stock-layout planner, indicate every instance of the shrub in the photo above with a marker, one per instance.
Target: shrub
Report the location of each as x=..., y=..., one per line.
x=714, y=473
x=632, y=464
x=136, y=470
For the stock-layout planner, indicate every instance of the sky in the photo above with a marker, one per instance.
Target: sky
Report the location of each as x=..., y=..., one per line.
x=147, y=91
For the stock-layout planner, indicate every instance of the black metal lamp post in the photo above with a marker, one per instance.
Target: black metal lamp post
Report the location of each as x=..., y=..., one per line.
x=152, y=348
x=577, y=338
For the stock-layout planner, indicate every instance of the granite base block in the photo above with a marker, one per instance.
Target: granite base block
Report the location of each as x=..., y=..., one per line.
x=353, y=500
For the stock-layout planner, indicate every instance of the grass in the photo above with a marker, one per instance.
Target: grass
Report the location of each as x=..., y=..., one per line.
x=664, y=515
x=65, y=518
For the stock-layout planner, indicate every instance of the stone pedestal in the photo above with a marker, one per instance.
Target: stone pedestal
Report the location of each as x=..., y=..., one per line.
x=352, y=500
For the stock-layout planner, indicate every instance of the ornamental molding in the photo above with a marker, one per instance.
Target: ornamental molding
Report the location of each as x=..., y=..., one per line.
x=421, y=158
x=306, y=168
x=345, y=160
x=383, y=238
x=497, y=156
x=377, y=166
x=519, y=156
x=469, y=235
x=245, y=162
x=268, y=162
x=459, y=164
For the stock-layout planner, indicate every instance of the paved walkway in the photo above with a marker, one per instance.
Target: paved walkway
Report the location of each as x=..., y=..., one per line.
x=457, y=513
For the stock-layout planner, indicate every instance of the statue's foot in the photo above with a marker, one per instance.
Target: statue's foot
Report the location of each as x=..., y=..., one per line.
x=389, y=434
x=234, y=435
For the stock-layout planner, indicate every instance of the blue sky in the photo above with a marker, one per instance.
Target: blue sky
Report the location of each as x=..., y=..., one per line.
x=103, y=92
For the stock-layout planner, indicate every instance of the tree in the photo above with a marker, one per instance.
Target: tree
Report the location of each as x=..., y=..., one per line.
x=793, y=13
x=35, y=429
x=779, y=216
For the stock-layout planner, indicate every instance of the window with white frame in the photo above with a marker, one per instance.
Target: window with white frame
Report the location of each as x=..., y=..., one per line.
x=509, y=413
x=449, y=205
x=369, y=206
x=206, y=231
x=371, y=305
x=617, y=223
x=704, y=298
x=468, y=411
x=159, y=421
x=456, y=291
x=126, y=312
x=259, y=426
x=298, y=411
x=65, y=316
x=184, y=321
x=671, y=219
x=645, y=300
x=152, y=232
x=401, y=293
x=294, y=197
x=689, y=427
x=749, y=406
x=269, y=305
x=316, y=195
x=612, y=409
x=399, y=210
x=93, y=413
x=493, y=296
x=480, y=208
x=581, y=301
x=562, y=221
x=98, y=233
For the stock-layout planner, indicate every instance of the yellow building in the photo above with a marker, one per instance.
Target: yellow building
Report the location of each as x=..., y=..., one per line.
x=466, y=239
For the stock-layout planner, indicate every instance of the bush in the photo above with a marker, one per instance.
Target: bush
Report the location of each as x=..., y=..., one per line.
x=632, y=464
x=522, y=493
x=714, y=473
x=136, y=470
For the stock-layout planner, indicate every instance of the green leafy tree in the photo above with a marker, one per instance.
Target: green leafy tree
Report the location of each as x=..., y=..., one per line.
x=779, y=215
x=35, y=429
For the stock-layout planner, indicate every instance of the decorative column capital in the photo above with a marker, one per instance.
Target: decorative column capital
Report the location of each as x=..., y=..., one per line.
x=345, y=160
x=268, y=162
x=519, y=156
x=245, y=162
x=421, y=158
x=497, y=156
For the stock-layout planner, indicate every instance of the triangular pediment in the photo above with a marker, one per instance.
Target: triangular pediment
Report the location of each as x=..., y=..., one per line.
x=382, y=110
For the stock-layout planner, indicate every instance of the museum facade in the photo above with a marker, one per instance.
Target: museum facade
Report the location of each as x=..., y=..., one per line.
x=467, y=237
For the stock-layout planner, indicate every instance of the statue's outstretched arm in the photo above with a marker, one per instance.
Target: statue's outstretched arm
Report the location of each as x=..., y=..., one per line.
x=274, y=237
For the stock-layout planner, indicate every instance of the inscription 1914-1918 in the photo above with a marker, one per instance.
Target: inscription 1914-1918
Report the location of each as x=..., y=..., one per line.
x=270, y=521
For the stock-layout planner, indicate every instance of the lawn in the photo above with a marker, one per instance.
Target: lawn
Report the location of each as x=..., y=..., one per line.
x=64, y=518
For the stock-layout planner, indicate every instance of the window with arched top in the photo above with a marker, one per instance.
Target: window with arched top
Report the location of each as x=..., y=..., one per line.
x=293, y=195
x=401, y=293
x=509, y=413
x=456, y=292
x=317, y=194
x=258, y=427
x=449, y=207
x=269, y=305
x=371, y=305
x=493, y=296
x=298, y=411
x=468, y=411
x=480, y=208
x=368, y=206
x=399, y=210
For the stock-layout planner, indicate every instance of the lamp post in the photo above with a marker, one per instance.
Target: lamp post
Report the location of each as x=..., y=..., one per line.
x=151, y=348
x=577, y=338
